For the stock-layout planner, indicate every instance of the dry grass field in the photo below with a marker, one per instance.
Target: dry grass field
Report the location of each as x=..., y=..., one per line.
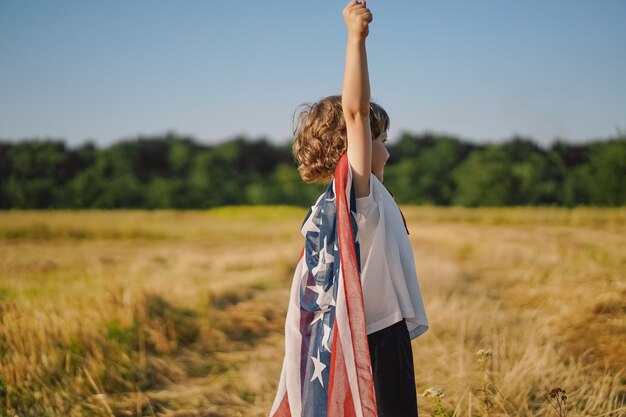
x=181, y=313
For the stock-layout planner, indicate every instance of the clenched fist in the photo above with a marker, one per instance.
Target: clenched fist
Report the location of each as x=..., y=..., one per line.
x=357, y=17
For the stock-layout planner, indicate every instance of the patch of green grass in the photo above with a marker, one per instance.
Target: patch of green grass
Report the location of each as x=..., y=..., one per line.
x=127, y=336
x=32, y=293
x=524, y=215
x=262, y=285
x=4, y=345
x=257, y=213
x=3, y=390
x=183, y=321
x=40, y=231
x=6, y=293
x=75, y=347
x=229, y=297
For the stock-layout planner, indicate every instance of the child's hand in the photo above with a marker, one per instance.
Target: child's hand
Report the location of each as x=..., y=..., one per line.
x=357, y=17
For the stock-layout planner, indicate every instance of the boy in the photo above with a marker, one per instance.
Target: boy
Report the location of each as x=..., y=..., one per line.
x=355, y=301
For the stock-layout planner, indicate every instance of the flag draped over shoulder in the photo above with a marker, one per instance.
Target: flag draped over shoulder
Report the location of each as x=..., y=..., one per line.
x=326, y=369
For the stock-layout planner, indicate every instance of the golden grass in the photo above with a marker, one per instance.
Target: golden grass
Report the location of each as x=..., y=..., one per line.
x=181, y=313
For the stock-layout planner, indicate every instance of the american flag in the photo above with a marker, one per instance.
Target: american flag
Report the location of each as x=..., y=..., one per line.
x=327, y=369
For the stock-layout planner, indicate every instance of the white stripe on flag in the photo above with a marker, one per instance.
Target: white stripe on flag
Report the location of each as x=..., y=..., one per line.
x=290, y=375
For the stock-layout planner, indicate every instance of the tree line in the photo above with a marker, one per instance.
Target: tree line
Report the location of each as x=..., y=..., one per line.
x=177, y=172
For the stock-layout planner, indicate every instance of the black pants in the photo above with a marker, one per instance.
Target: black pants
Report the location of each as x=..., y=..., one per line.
x=392, y=366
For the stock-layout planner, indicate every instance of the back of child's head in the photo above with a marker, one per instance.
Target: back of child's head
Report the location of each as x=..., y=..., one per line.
x=321, y=138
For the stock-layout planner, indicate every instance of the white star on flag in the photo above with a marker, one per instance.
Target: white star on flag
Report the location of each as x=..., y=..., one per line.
x=319, y=367
x=319, y=315
x=310, y=226
x=324, y=298
x=324, y=260
x=326, y=337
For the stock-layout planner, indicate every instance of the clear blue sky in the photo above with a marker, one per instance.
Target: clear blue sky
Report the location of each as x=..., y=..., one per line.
x=482, y=70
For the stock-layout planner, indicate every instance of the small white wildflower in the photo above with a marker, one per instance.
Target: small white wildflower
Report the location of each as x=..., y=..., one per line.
x=434, y=392
x=484, y=353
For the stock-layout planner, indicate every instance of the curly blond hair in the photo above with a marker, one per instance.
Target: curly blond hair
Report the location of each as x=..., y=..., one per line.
x=320, y=136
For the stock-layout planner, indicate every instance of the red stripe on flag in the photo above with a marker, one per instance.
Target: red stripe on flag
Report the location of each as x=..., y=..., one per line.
x=353, y=293
x=340, y=402
x=283, y=408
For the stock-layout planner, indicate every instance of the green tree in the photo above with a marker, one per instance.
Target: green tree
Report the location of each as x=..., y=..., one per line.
x=426, y=178
x=37, y=172
x=484, y=178
x=607, y=173
x=577, y=186
x=284, y=186
x=170, y=171
x=537, y=179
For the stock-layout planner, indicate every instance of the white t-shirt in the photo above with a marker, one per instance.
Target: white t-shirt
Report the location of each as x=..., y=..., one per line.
x=388, y=277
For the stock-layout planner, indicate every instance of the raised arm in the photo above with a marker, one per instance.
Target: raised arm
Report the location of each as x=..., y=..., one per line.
x=355, y=97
